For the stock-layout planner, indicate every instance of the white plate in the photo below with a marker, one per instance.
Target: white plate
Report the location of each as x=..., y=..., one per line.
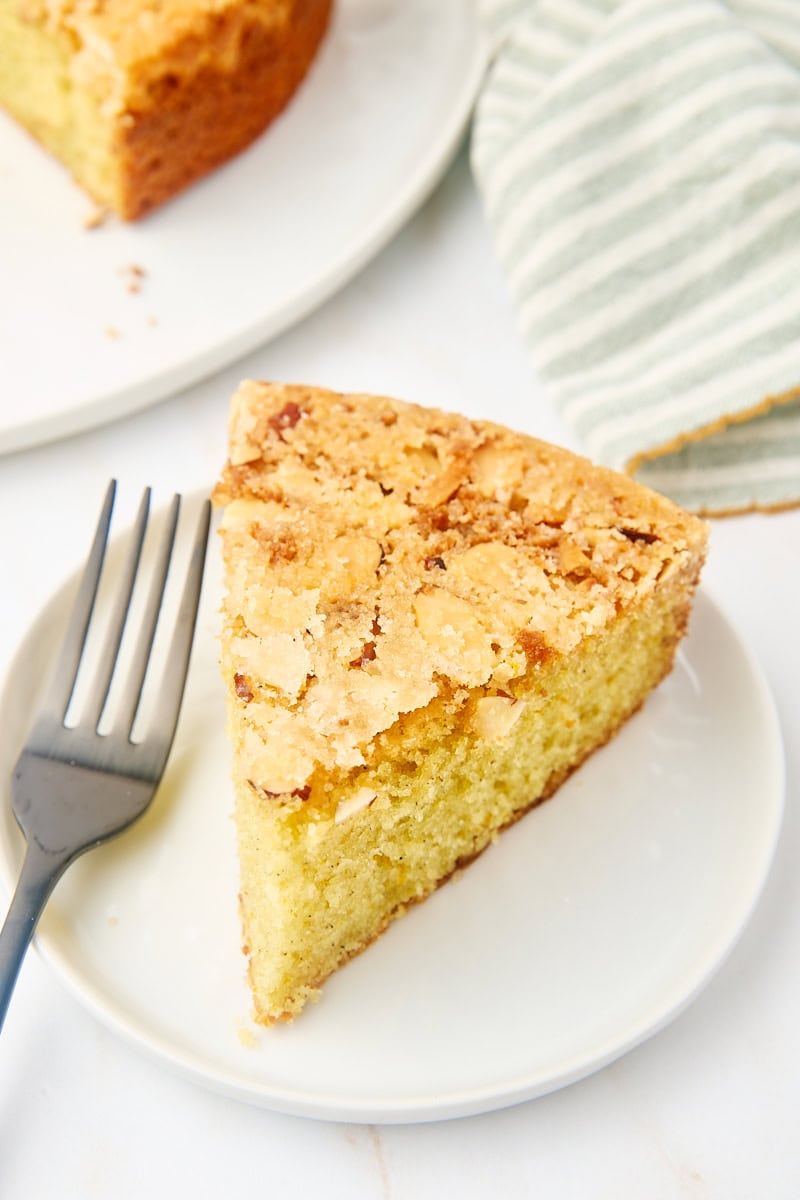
x=244, y=253
x=592, y=923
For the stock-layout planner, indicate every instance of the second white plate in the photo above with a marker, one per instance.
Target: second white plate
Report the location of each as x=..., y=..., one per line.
x=244, y=253
x=592, y=923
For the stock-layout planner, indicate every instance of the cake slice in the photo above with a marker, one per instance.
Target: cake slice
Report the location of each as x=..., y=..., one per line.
x=429, y=622
x=139, y=98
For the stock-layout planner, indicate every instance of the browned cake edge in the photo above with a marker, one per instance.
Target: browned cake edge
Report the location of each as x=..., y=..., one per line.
x=193, y=126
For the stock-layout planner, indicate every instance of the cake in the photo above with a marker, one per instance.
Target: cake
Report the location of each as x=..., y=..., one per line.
x=139, y=98
x=428, y=623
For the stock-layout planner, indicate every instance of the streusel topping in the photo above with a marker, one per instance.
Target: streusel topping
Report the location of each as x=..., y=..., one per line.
x=379, y=555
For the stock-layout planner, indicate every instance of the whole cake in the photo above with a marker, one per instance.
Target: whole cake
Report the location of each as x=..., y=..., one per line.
x=139, y=98
x=429, y=622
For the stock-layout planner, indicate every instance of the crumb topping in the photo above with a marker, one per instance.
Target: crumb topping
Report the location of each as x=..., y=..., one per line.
x=379, y=554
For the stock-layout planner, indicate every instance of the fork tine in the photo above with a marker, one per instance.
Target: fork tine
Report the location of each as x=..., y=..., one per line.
x=170, y=692
x=101, y=682
x=129, y=701
x=62, y=681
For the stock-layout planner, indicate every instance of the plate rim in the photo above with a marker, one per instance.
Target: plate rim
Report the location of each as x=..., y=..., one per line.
x=530, y=1085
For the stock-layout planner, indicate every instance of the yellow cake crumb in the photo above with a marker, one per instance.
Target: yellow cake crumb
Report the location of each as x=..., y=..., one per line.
x=246, y=1036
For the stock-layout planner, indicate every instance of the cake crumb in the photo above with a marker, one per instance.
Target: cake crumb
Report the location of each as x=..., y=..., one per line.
x=133, y=275
x=112, y=332
x=95, y=217
x=245, y=1035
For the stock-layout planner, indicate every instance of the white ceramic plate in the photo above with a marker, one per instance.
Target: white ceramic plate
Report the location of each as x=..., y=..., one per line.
x=592, y=923
x=244, y=253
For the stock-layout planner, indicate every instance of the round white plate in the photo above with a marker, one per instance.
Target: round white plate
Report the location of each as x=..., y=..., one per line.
x=588, y=926
x=244, y=253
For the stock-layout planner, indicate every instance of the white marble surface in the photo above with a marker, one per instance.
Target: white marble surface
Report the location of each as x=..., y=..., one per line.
x=706, y=1109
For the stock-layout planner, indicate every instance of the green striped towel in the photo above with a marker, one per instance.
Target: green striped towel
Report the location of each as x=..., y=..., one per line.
x=639, y=164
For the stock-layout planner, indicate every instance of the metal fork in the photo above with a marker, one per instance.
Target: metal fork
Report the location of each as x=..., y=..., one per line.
x=74, y=787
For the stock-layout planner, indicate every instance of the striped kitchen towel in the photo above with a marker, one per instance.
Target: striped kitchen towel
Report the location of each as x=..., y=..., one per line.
x=639, y=164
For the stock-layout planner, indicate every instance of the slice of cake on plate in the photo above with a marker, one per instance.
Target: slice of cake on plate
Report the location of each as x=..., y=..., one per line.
x=429, y=622
x=139, y=98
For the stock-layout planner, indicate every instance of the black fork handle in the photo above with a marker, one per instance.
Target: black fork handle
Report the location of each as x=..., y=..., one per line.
x=41, y=871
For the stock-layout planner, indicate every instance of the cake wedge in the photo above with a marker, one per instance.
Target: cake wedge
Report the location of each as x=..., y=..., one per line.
x=140, y=98
x=428, y=623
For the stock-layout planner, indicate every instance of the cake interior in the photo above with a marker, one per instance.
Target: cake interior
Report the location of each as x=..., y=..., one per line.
x=37, y=88
x=318, y=886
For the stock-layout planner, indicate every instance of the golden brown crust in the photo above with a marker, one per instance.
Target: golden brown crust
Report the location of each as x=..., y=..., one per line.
x=380, y=555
